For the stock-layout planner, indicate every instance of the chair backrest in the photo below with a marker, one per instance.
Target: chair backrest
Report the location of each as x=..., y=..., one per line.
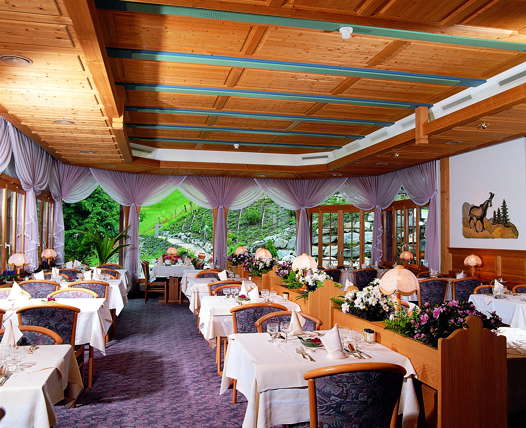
x=2, y=313
x=209, y=273
x=519, y=288
x=61, y=319
x=99, y=287
x=423, y=274
x=49, y=275
x=335, y=274
x=73, y=293
x=71, y=273
x=214, y=285
x=244, y=317
x=463, y=288
x=354, y=395
x=362, y=277
x=311, y=323
x=111, y=273
x=220, y=291
x=110, y=266
x=39, y=288
x=483, y=289
x=146, y=271
x=35, y=335
x=432, y=291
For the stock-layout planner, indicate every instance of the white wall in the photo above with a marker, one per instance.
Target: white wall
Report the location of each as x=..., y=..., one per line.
x=500, y=169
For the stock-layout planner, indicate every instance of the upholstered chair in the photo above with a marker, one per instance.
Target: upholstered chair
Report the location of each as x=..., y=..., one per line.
x=72, y=274
x=362, y=277
x=311, y=323
x=73, y=293
x=39, y=288
x=110, y=273
x=483, y=289
x=209, y=273
x=35, y=335
x=520, y=288
x=355, y=395
x=99, y=287
x=432, y=291
x=217, y=288
x=61, y=319
x=110, y=266
x=463, y=288
x=335, y=274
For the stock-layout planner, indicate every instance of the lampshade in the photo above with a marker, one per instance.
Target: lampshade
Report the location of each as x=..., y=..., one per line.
x=171, y=251
x=472, y=260
x=398, y=279
x=262, y=254
x=201, y=256
x=304, y=262
x=17, y=259
x=49, y=253
x=406, y=255
x=240, y=250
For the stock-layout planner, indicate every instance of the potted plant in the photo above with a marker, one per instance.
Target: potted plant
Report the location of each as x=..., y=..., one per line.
x=105, y=244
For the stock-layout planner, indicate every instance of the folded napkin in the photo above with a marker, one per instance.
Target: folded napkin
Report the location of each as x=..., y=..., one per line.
x=295, y=328
x=243, y=291
x=96, y=273
x=87, y=275
x=17, y=293
x=77, y=264
x=333, y=344
x=55, y=272
x=69, y=265
x=461, y=275
x=223, y=275
x=12, y=333
x=39, y=275
x=498, y=288
x=253, y=294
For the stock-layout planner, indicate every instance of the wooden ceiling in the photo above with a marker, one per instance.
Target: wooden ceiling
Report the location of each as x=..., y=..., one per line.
x=274, y=77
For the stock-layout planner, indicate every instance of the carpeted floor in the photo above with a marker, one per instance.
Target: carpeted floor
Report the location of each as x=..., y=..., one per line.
x=157, y=372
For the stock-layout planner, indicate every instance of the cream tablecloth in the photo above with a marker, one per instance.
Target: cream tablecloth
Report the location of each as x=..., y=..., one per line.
x=512, y=309
x=93, y=321
x=215, y=318
x=198, y=288
x=166, y=271
x=117, y=293
x=28, y=396
x=270, y=376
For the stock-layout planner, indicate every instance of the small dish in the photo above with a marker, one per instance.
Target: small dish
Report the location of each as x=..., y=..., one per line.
x=310, y=342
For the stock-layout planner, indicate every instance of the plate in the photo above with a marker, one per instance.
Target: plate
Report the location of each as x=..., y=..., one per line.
x=310, y=342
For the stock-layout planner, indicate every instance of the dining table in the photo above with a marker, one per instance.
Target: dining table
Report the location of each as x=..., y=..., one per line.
x=187, y=278
x=167, y=271
x=47, y=375
x=93, y=321
x=215, y=318
x=197, y=289
x=510, y=307
x=270, y=375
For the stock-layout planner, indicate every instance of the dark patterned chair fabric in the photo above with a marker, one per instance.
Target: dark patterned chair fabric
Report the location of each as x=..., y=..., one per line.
x=39, y=289
x=73, y=274
x=309, y=325
x=335, y=274
x=114, y=274
x=432, y=291
x=521, y=288
x=99, y=287
x=213, y=286
x=73, y=293
x=483, y=289
x=209, y=275
x=34, y=335
x=362, y=277
x=110, y=266
x=463, y=288
x=245, y=317
x=61, y=319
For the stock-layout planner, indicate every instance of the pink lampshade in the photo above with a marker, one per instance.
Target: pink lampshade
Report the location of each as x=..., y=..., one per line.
x=262, y=254
x=201, y=256
x=240, y=250
x=49, y=253
x=17, y=259
x=472, y=260
x=398, y=279
x=406, y=255
x=171, y=251
x=304, y=262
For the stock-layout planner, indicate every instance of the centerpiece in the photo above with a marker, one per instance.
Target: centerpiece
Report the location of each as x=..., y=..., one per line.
x=369, y=303
x=305, y=276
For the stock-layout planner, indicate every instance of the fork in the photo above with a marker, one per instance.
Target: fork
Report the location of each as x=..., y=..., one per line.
x=300, y=352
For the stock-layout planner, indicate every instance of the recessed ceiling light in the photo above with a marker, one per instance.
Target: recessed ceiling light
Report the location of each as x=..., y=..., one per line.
x=16, y=60
x=396, y=155
x=89, y=152
x=336, y=174
x=63, y=122
x=483, y=125
x=236, y=146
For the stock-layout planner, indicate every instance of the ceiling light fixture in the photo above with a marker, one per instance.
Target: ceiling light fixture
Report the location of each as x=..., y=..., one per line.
x=16, y=60
x=397, y=155
x=236, y=146
x=483, y=125
x=63, y=122
x=346, y=32
x=88, y=152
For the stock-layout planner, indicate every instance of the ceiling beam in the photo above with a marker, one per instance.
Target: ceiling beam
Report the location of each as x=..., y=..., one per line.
x=264, y=116
x=122, y=139
x=421, y=118
x=226, y=92
x=176, y=141
x=296, y=67
x=361, y=25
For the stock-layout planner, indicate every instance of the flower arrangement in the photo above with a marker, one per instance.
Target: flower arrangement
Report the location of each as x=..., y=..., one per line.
x=433, y=322
x=171, y=259
x=306, y=280
x=8, y=276
x=239, y=259
x=369, y=303
x=284, y=268
x=257, y=267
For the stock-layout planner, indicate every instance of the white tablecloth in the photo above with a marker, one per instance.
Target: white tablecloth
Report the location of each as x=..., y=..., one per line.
x=117, y=293
x=198, y=288
x=187, y=278
x=511, y=309
x=166, y=271
x=28, y=396
x=270, y=376
x=215, y=318
x=93, y=321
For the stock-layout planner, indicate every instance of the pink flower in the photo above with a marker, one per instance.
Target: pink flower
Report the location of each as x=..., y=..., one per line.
x=242, y=296
x=424, y=318
x=453, y=303
x=50, y=299
x=437, y=312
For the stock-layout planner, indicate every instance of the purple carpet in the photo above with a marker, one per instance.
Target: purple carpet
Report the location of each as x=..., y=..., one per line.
x=157, y=372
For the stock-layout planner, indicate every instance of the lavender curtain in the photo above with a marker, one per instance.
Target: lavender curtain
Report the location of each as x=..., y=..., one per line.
x=68, y=183
x=135, y=190
x=32, y=168
x=5, y=145
x=221, y=192
x=297, y=194
x=373, y=193
x=420, y=183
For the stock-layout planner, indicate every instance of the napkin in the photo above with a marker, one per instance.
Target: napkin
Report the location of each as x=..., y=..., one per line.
x=515, y=338
x=12, y=333
x=461, y=275
x=39, y=275
x=87, y=275
x=223, y=275
x=55, y=272
x=96, y=273
x=17, y=293
x=253, y=294
x=69, y=265
x=333, y=344
x=295, y=328
x=498, y=288
x=77, y=264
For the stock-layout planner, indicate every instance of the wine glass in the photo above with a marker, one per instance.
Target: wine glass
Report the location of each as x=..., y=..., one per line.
x=227, y=292
x=272, y=330
x=284, y=328
x=265, y=294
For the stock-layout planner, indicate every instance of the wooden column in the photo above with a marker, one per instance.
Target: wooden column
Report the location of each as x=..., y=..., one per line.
x=421, y=118
x=445, y=255
x=4, y=229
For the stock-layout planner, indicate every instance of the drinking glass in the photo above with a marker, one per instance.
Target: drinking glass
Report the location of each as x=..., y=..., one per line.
x=265, y=294
x=272, y=329
x=227, y=293
x=284, y=328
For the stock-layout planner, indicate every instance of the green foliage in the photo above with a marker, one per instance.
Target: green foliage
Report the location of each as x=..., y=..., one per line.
x=96, y=213
x=403, y=322
x=251, y=216
x=164, y=212
x=185, y=252
x=269, y=245
x=104, y=244
x=152, y=247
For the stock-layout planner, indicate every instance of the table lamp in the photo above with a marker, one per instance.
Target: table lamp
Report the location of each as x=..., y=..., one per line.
x=18, y=260
x=473, y=261
x=400, y=281
x=304, y=262
x=171, y=251
x=262, y=254
x=406, y=256
x=49, y=255
x=240, y=250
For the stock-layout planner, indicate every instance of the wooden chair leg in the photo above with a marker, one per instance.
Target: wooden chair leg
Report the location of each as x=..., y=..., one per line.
x=218, y=355
x=90, y=367
x=166, y=288
x=234, y=391
x=145, y=293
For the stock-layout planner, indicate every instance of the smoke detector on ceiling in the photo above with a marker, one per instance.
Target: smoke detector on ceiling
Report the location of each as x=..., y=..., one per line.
x=346, y=32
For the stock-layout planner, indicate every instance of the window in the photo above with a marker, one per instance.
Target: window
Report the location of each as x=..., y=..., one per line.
x=11, y=196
